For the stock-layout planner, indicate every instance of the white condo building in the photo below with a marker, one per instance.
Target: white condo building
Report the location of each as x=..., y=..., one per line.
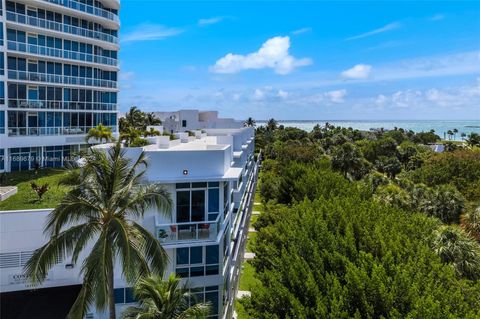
x=211, y=175
x=58, y=77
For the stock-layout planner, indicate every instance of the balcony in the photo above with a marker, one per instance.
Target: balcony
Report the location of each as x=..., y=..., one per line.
x=178, y=233
x=45, y=131
x=60, y=53
x=75, y=5
x=60, y=27
x=59, y=105
x=60, y=79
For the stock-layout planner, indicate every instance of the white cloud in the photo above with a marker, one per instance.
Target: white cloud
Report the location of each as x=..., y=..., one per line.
x=337, y=96
x=359, y=71
x=209, y=21
x=150, y=32
x=273, y=54
x=258, y=95
x=453, y=97
x=385, y=28
x=282, y=94
x=381, y=100
x=301, y=31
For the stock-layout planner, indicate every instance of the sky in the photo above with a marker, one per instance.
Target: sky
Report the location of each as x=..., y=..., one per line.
x=303, y=60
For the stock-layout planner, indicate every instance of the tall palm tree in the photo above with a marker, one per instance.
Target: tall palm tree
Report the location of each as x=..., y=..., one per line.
x=151, y=119
x=450, y=134
x=250, y=122
x=103, y=211
x=455, y=131
x=160, y=299
x=100, y=133
x=272, y=125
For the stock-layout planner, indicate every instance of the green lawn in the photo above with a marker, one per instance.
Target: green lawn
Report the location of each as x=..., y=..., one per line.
x=26, y=198
x=247, y=279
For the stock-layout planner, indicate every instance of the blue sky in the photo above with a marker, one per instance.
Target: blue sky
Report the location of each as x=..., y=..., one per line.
x=303, y=60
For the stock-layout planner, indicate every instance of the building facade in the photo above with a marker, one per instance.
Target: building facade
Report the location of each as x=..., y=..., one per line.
x=211, y=175
x=58, y=77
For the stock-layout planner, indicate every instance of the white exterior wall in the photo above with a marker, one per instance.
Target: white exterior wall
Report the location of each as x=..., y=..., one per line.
x=207, y=159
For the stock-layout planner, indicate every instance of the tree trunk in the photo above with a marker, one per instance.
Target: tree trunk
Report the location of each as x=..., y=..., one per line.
x=111, y=295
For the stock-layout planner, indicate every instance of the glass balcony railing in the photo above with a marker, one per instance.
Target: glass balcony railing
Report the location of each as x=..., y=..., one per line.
x=59, y=105
x=61, y=79
x=187, y=232
x=60, y=27
x=75, y=5
x=60, y=53
x=58, y=130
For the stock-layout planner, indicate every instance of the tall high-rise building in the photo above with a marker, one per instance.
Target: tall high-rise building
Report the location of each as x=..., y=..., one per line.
x=58, y=77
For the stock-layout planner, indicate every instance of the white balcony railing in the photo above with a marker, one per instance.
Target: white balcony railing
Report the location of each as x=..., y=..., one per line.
x=60, y=27
x=187, y=232
x=75, y=5
x=61, y=79
x=58, y=130
x=59, y=105
x=60, y=53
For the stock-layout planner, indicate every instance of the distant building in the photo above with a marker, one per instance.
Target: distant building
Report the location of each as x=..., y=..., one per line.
x=185, y=120
x=58, y=77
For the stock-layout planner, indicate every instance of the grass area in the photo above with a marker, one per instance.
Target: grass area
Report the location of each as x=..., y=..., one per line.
x=247, y=279
x=250, y=242
x=26, y=198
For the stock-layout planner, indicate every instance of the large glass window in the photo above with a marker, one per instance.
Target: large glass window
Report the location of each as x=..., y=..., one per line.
x=197, y=201
x=2, y=159
x=197, y=261
x=2, y=122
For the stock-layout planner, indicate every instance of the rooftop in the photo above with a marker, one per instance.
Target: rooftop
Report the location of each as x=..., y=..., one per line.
x=26, y=198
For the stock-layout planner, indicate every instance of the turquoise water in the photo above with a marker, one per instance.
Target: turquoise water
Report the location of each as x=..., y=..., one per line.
x=440, y=127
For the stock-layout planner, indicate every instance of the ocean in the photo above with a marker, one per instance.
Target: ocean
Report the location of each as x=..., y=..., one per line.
x=440, y=127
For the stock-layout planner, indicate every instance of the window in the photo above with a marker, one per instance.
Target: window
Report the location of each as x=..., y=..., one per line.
x=2, y=122
x=197, y=201
x=2, y=159
x=197, y=261
x=184, y=123
x=204, y=295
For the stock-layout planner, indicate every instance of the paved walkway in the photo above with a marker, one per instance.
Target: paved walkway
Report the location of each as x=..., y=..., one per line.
x=257, y=203
x=252, y=230
x=249, y=256
x=243, y=293
x=255, y=212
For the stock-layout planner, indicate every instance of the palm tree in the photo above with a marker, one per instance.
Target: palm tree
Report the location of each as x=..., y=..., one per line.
x=463, y=135
x=100, y=132
x=250, y=122
x=450, y=134
x=346, y=158
x=272, y=125
x=455, y=131
x=103, y=210
x=151, y=119
x=471, y=223
x=130, y=135
x=160, y=299
x=455, y=247
x=473, y=139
